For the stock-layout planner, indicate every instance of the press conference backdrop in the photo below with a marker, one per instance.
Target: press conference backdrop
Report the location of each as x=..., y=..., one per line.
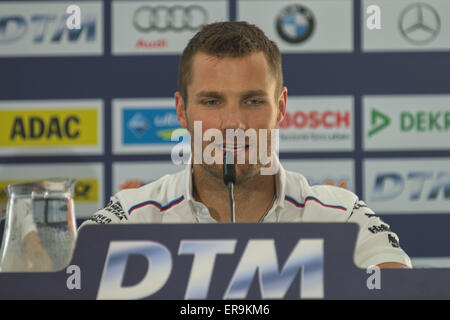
x=368, y=109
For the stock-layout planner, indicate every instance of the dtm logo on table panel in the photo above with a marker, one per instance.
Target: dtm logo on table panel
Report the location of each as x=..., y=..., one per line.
x=149, y=126
x=43, y=29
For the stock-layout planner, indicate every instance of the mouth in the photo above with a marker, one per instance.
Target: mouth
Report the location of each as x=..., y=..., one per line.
x=236, y=149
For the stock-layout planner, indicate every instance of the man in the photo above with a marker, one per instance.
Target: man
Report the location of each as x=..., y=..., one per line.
x=230, y=78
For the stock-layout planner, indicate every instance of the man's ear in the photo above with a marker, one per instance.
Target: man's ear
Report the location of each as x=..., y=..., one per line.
x=181, y=110
x=282, y=101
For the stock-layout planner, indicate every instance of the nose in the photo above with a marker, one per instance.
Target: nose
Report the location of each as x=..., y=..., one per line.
x=232, y=117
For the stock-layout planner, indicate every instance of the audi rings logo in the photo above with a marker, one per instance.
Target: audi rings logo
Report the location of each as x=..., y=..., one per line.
x=175, y=18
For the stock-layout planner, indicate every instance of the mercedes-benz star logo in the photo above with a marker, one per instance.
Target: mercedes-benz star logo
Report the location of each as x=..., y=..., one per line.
x=419, y=23
x=295, y=23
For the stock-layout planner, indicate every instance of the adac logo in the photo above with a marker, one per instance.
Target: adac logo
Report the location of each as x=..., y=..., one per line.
x=378, y=122
x=295, y=23
x=48, y=127
x=149, y=126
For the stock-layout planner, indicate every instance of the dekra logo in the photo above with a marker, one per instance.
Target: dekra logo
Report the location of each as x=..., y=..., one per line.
x=419, y=121
x=378, y=121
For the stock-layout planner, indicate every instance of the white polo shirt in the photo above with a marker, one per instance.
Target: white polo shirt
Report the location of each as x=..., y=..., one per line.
x=170, y=200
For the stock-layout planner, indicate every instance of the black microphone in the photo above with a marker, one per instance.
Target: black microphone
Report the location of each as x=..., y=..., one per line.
x=229, y=178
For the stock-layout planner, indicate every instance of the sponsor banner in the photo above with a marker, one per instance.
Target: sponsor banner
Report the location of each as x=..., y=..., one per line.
x=145, y=126
x=51, y=127
x=127, y=175
x=318, y=124
x=409, y=122
x=302, y=26
x=419, y=186
x=40, y=28
x=160, y=27
x=408, y=25
x=337, y=172
x=88, y=193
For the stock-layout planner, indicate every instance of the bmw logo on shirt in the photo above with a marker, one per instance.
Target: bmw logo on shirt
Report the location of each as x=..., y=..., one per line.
x=295, y=23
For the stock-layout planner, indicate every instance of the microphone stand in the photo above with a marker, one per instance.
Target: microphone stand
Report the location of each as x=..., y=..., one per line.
x=229, y=178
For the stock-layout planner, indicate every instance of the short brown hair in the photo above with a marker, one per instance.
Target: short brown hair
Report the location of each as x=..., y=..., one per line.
x=229, y=39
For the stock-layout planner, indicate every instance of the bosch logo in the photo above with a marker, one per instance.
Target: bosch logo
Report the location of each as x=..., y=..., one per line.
x=175, y=18
x=315, y=119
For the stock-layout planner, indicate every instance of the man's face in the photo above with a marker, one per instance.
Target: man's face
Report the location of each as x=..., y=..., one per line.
x=232, y=93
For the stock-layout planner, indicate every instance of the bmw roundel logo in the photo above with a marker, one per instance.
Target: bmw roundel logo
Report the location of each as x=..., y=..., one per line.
x=295, y=23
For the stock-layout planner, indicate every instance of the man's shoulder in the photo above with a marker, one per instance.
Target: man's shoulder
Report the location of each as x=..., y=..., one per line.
x=327, y=196
x=165, y=189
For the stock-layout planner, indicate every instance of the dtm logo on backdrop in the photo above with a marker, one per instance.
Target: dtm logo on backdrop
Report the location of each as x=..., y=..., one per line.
x=389, y=185
x=161, y=27
x=46, y=28
x=317, y=124
x=51, y=127
x=407, y=185
x=412, y=122
x=88, y=191
x=419, y=23
x=295, y=23
x=302, y=27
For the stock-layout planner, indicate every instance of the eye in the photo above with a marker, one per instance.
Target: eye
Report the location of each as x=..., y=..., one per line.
x=254, y=101
x=210, y=102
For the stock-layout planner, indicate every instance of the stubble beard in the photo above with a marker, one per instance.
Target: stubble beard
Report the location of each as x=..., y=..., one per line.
x=244, y=172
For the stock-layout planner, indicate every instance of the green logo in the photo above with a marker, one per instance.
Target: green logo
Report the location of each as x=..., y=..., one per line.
x=378, y=122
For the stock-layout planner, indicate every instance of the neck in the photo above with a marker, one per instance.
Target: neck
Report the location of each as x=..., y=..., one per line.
x=253, y=198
